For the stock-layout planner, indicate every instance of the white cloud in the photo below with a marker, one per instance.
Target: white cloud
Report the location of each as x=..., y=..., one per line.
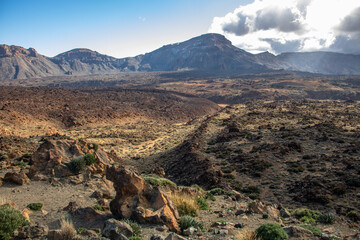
x=292, y=25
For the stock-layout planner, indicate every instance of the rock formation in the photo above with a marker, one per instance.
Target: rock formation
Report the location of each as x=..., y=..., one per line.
x=53, y=156
x=135, y=199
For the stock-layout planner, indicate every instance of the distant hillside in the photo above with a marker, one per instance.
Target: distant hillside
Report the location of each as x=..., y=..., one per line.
x=211, y=53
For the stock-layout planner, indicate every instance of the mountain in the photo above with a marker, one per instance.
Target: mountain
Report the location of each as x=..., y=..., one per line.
x=20, y=63
x=83, y=61
x=211, y=53
x=322, y=62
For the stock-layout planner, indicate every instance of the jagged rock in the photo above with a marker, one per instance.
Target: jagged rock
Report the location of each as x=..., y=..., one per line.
x=118, y=230
x=19, y=178
x=71, y=207
x=51, y=159
x=158, y=171
x=189, y=231
x=156, y=237
x=32, y=232
x=261, y=208
x=174, y=236
x=296, y=232
x=284, y=213
x=138, y=200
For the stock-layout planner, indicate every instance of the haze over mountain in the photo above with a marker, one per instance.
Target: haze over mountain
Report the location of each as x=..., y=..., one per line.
x=208, y=52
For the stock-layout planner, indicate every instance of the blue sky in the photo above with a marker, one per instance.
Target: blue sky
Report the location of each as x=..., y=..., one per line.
x=127, y=28
x=113, y=27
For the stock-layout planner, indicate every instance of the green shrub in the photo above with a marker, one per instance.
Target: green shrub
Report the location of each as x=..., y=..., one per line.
x=135, y=226
x=187, y=221
x=156, y=180
x=217, y=191
x=95, y=146
x=327, y=218
x=10, y=220
x=271, y=231
x=77, y=164
x=305, y=215
x=354, y=216
x=186, y=209
x=89, y=159
x=210, y=196
x=35, y=206
x=265, y=216
x=311, y=228
x=80, y=230
x=203, y=205
x=98, y=207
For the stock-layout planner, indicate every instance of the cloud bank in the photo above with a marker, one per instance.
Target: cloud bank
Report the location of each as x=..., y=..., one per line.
x=293, y=25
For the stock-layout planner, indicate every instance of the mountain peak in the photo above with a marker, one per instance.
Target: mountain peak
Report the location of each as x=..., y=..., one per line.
x=10, y=51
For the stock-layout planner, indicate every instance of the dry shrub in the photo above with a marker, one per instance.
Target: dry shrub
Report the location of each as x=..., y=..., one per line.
x=67, y=229
x=185, y=204
x=246, y=234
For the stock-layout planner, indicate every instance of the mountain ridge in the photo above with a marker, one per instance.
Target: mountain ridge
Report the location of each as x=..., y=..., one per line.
x=208, y=53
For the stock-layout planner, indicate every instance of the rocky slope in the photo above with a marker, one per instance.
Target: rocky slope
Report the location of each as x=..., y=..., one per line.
x=211, y=53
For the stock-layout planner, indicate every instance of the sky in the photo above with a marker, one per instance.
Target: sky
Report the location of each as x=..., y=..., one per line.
x=127, y=28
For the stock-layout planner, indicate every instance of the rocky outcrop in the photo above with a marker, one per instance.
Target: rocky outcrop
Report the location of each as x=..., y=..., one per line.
x=52, y=158
x=135, y=199
x=19, y=178
x=114, y=229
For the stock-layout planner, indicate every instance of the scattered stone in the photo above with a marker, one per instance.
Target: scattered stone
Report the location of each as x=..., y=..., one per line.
x=71, y=207
x=221, y=231
x=325, y=236
x=239, y=212
x=135, y=199
x=158, y=171
x=156, y=237
x=189, y=231
x=19, y=178
x=239, y=225
x=32, y=232
x=115, y=229
x=298, y=232
x=284, y=213
x=174, y=236
x=162, y=228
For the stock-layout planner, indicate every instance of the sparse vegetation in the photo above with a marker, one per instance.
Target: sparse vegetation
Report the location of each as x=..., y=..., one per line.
x=187, y=221
x=95, y=146
x=185, y=204
x=156, y=180
x=67, y=229
x=89, y=159
x=77, y=164
x=35, y=206
x=311, y=228
x=305, y=215
x=134, y=226
x=203, y=205
x=10, y=220
x=98, y=207
x=246, y=235
x=271, y=231
x=327, y=218
x=354, y=216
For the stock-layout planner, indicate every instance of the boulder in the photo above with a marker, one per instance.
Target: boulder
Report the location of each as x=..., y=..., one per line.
x=51, y=159
x=118, y=230
x=261, y=208
x=174, y=236
x=32, y=232
x=19, y=178
x=135, y=199
x=296, y=232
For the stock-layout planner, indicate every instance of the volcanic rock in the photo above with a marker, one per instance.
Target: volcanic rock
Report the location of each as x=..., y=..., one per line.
x=53, y=156
x=135, y=199
x=18, y=178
